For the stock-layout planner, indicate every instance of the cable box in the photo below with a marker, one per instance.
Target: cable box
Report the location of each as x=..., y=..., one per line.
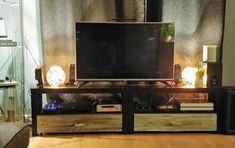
x=108, y=108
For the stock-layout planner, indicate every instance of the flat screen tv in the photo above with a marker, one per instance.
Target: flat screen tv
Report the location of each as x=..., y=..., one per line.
x=124, y=51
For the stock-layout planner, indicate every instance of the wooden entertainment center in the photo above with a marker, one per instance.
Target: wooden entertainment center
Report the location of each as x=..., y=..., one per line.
x=129, y=120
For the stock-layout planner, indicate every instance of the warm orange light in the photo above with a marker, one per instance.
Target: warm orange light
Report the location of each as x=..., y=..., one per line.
x=55, y=76
x=189, y=76
x=205, y=80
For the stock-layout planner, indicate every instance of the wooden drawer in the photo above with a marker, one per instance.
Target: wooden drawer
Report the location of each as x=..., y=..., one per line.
x=79, y=123
x=175, y=122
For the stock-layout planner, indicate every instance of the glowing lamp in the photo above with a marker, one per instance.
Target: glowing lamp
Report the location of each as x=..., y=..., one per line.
x=189, y=77
x=55, y=76
x=205, y=80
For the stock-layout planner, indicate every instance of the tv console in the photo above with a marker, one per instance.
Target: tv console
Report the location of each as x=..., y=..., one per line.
x=133, y=117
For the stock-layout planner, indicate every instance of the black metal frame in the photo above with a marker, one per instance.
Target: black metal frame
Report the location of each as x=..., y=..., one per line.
x=229, y=94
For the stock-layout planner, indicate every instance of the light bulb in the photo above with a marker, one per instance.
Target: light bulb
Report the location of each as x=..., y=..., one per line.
x=189, y=76
x=55, y=76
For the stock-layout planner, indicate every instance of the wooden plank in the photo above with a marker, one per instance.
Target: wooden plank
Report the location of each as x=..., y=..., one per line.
x=79, y=123
x=140, y=140
x=175, y=122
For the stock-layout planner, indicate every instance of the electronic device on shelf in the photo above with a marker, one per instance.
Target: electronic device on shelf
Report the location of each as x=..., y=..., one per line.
x=108, y=108
x=114, y=51
x=108, y=104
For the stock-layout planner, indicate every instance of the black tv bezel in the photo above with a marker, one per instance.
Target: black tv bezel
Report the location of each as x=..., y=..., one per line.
x=121, y=79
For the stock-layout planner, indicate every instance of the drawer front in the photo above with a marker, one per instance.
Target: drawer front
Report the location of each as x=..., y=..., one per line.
x=175, y=122
x=79, y=123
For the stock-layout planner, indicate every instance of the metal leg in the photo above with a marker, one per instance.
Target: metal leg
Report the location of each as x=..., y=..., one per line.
x=11, y=109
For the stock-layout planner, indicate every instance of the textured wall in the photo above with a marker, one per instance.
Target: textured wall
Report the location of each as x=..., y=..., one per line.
x=58, y=24
x=198, y=22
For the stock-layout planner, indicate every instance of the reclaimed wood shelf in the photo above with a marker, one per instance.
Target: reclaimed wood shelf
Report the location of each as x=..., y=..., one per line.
x=127, y=121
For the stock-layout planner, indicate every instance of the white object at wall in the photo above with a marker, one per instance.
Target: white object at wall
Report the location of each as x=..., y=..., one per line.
x=3, y=30
x=210, y=53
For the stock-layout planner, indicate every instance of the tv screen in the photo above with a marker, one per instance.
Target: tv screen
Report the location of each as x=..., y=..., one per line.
x=124, y=51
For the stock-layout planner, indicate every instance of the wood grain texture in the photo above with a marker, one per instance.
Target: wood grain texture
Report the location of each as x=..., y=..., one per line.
x=79, y=123
x=140, y=140
x=175, y=122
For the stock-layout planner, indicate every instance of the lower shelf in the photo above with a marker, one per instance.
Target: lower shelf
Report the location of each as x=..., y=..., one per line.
x=165, y=122
x=79, y=123
x=175, y=122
